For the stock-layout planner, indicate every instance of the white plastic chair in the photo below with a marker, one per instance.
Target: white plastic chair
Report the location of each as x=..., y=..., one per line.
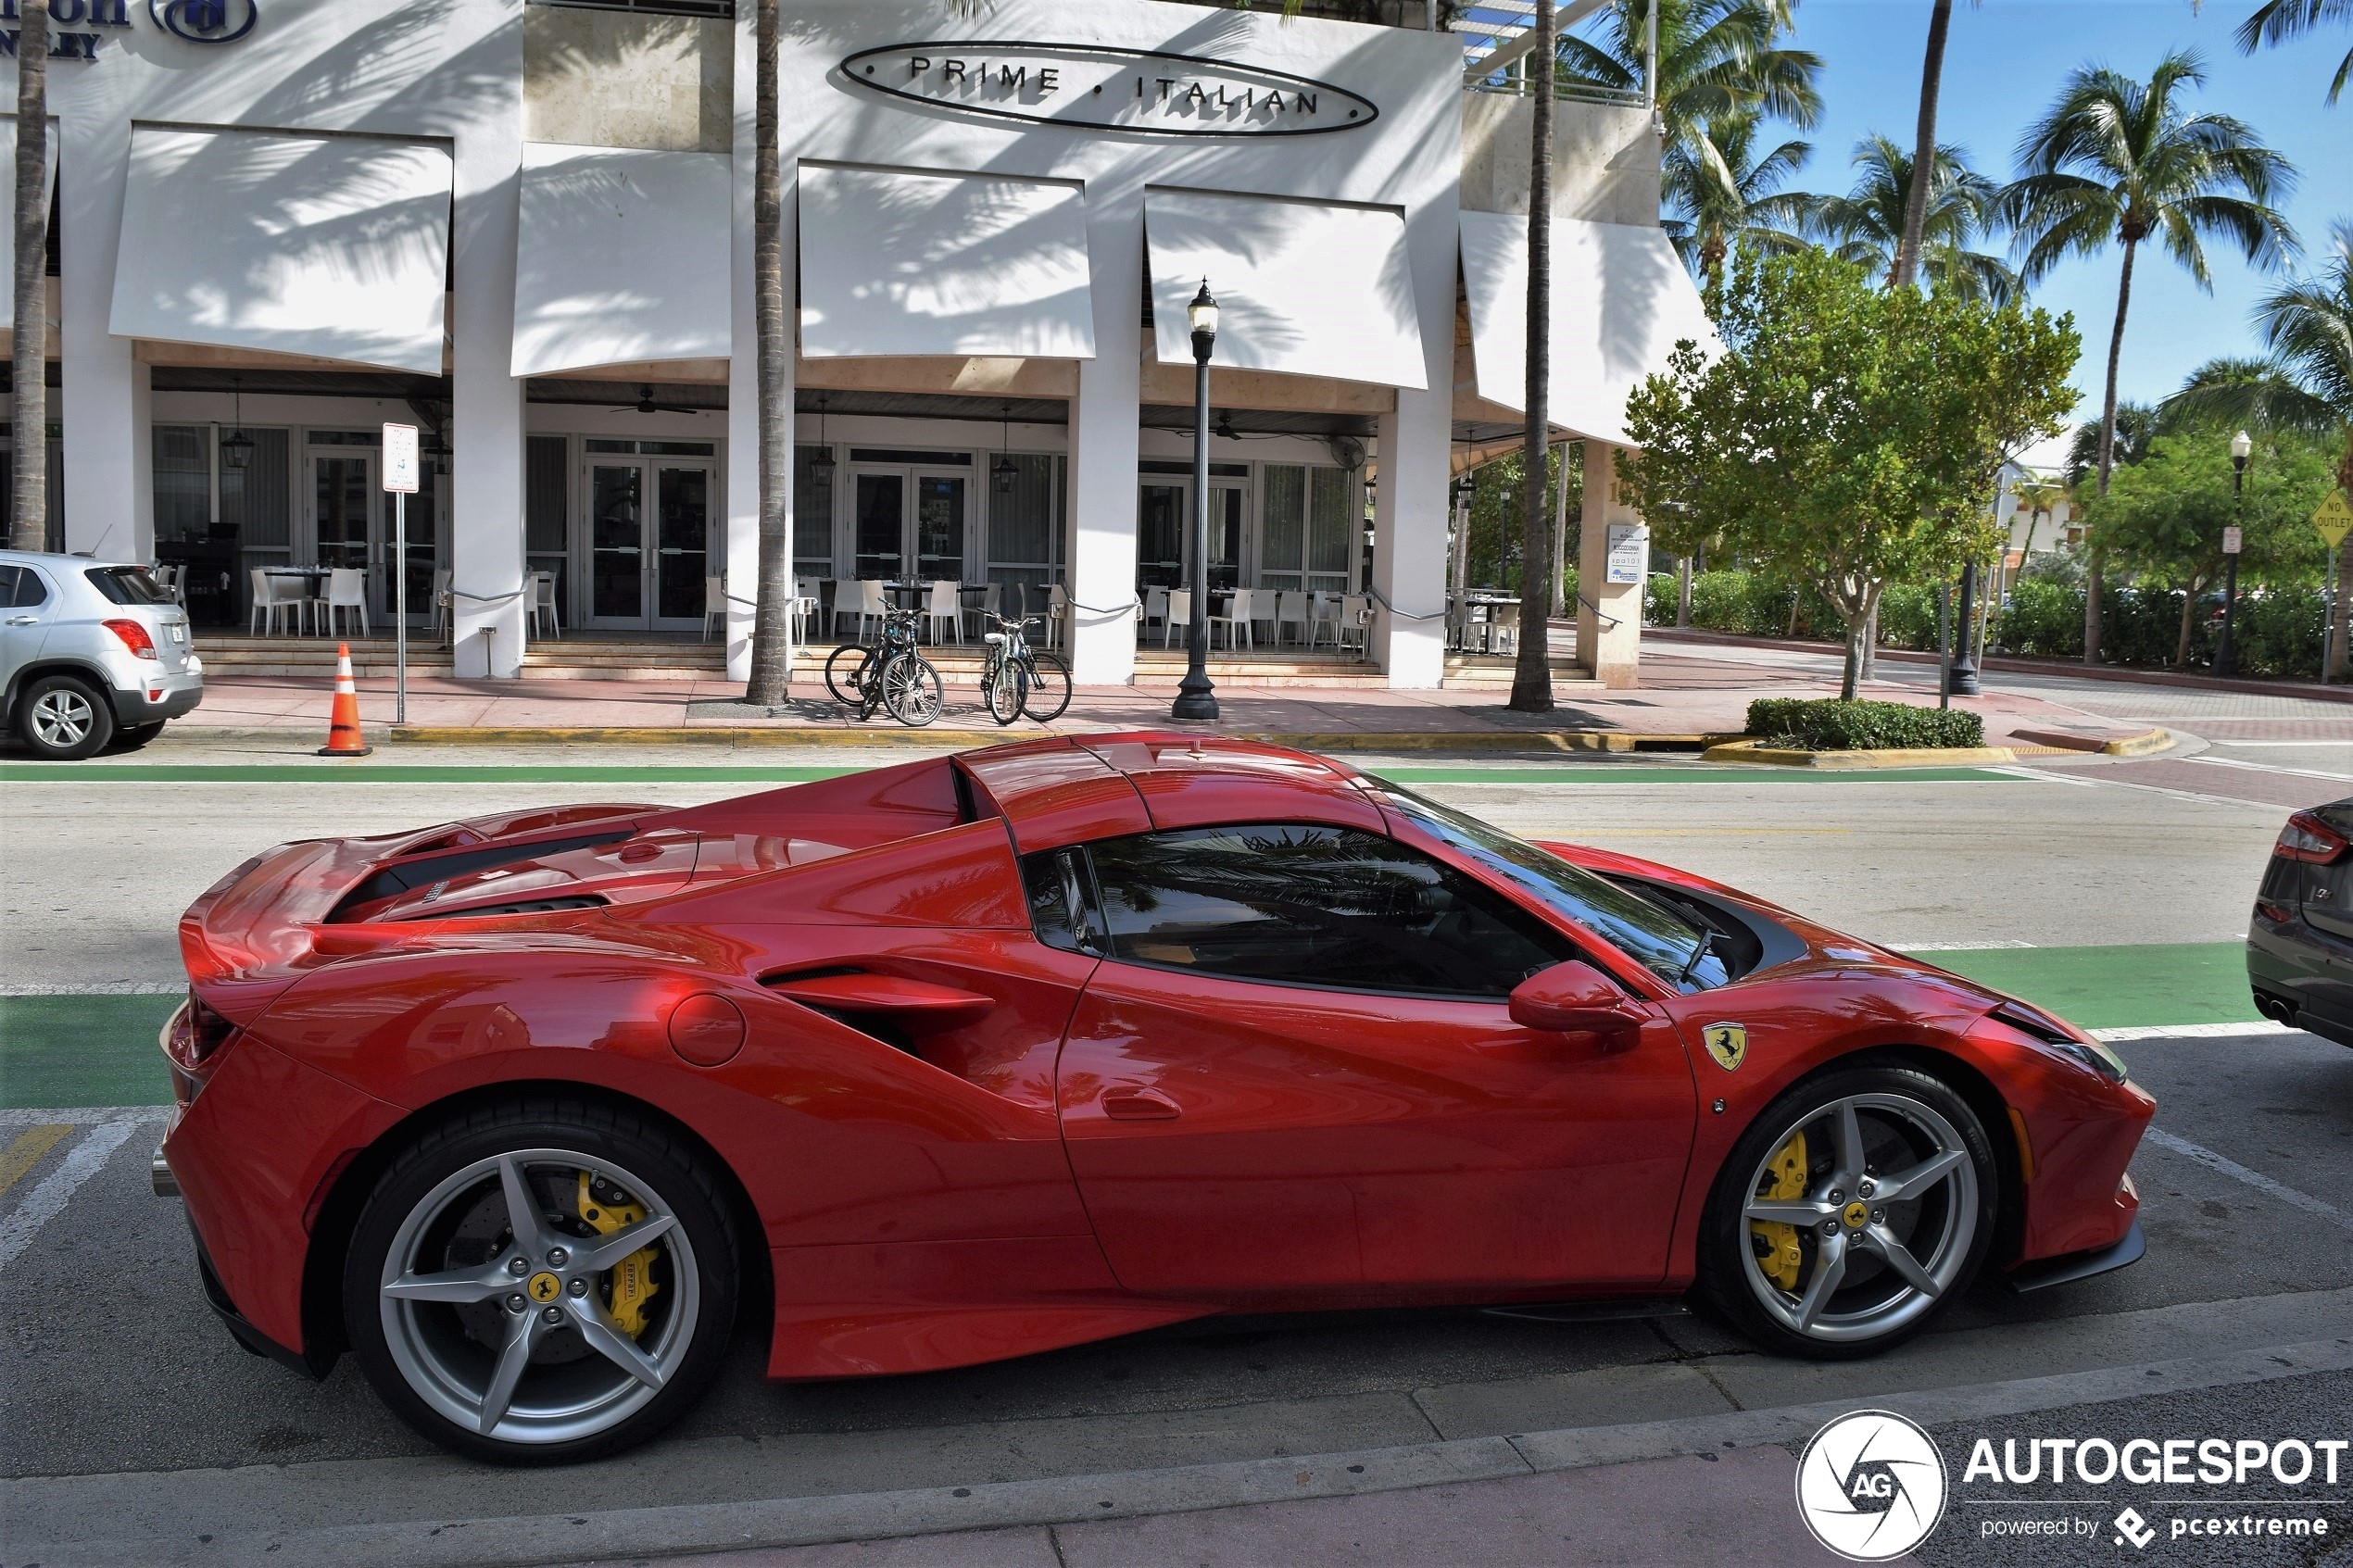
x=1237, y=620
x=866, y=603
x=346, y=590
x=1322, y=610
x=1355, y=628
x=1155, y=608
x=1502, y=629
x=1290, y=610
x=293, y=595
x=714, y=605
x=991, y=596
x=543, y=605
x=1180, y=613
x=944, y=606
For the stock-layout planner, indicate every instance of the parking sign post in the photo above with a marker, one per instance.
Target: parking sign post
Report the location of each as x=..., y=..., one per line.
x=400, y=479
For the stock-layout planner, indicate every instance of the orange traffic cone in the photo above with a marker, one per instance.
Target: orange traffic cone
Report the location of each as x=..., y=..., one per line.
x=343, y=726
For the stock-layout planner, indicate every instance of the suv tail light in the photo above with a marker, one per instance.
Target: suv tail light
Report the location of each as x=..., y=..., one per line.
x=2307, y=838
x=135, y=638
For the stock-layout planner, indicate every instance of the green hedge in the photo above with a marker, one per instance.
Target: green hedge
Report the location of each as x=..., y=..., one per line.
x=1828, y=725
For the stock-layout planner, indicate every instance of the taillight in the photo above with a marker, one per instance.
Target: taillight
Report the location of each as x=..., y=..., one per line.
x=135, y=638
x=2307, y=838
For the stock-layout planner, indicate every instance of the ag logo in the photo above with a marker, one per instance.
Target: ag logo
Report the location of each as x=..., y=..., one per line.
x=1728, y=1043
x=1871, y=1485
x=206, y=21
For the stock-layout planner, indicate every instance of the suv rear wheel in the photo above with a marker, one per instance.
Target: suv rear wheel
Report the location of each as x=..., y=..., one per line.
x=64, y=718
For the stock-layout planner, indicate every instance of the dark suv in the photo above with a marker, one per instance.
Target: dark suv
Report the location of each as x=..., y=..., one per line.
x=2299, y=946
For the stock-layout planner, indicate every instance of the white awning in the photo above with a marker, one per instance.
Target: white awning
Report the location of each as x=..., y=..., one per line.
x=1622, y=299
x=1302, y=288
x=898, y=263
x=333, y=246
x=8, y=230
x=623, y=257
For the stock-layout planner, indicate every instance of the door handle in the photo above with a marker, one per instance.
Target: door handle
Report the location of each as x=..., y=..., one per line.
x=1139, y=1105
x=24, y=621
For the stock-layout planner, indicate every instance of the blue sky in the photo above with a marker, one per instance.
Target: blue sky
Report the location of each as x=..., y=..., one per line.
x=2004, y=64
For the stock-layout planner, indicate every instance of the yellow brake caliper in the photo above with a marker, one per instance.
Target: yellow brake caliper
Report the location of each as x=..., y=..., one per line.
x=1782, y=1257
x=631, y=1280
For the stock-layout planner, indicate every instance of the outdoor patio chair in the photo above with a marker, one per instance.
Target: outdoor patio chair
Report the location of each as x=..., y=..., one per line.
x=1355, y=628
x=1155, y=608
x=992, y=594
x=944, y=605
x=1180, y=613
x=266, y=603
x=543, y=602
x=1290, y=610
x=865, y=603
x=1502, y=629
x=346, y=590
x=1239, y=612
x=1323, y=610
x=714, y=605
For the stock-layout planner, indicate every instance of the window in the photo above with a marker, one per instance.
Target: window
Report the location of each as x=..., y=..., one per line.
x=183, y=471
x=127, y=585
x=1305, y=533
x=1024, y=523
x=20, y=589
x=1298, y=904
x=1655, y=936
x=812, y=517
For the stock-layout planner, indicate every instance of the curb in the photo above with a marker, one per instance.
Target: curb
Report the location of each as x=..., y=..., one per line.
x=2117, y=745
x=1911, y=756
x=1404, y=740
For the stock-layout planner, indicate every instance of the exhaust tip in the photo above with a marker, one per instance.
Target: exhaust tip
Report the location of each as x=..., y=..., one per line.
x=159, y=1176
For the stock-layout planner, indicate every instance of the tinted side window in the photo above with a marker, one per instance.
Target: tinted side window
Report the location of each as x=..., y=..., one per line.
x=127, y=585
x=1308, y=905
x=27, y=589
x=8, y=575
x=1061, y=905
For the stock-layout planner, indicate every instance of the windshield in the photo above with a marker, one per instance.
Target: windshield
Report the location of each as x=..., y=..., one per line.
x=1659, y=939
x=128, y=585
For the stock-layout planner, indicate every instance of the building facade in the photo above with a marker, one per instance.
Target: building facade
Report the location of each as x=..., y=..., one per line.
x=527, y=228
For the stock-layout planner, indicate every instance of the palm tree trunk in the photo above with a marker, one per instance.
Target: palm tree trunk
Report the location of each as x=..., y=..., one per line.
x=2181, y=642
x=772, y=621
x=1533, y=679
x=29, y=504
x=1907, y=253
x=2097, y=563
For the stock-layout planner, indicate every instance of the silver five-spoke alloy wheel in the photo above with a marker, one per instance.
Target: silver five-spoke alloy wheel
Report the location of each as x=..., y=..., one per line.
x=1881, y=1227
x=498, y=1296
x=62, y=716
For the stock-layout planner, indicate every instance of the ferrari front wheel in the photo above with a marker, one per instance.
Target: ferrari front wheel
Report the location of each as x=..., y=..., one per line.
x=1856, y=1209
x=542, y=1283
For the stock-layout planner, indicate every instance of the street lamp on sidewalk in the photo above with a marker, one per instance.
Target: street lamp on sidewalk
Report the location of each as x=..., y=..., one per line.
x=1196, y=697
x=2226, y=652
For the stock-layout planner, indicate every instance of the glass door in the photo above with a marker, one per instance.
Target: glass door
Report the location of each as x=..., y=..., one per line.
x=616, y=545
x=1225, y=507
x=879, y=500
x=343, y=486
x=1160, y=515
x=682, y=497
x=938, y=542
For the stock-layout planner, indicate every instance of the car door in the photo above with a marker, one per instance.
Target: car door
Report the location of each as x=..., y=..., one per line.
x=26, y=605
x=1295, y=1073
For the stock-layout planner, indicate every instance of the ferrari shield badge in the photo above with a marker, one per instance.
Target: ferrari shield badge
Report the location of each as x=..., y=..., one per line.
x=1728, y=1043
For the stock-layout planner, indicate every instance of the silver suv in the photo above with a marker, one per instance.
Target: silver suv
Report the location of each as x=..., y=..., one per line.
x=92, y=655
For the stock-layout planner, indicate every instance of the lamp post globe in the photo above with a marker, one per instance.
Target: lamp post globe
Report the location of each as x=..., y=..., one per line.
x=1196, y=696
x=2226, y=652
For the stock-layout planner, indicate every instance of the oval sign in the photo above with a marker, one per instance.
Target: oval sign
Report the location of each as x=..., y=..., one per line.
x=1139, y=92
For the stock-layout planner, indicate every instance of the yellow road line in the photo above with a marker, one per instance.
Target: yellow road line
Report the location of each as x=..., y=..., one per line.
x=24, y=1151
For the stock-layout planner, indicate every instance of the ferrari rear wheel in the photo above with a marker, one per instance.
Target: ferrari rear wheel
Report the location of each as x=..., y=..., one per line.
x=542, y=1283
x=1850, y=1214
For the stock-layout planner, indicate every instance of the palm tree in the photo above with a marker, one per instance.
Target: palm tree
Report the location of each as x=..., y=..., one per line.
x=1532, y=673
x=2308, y=325
x=1866, y=225
x=2117, y=160
x=1723, y=195
x=29, y=504
x=1916, y=194
x=2136, y=425
x=1715, y=58
x=2277, y=20
x=2262, y=393
x=772, y=621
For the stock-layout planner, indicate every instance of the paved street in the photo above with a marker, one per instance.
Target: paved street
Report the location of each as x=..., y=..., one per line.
x=133, y=1429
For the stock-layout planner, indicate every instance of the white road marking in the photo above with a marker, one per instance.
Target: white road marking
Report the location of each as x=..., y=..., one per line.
x=1953, y=946
x=2040, y=776
x=2094, y=782
x=98, y=988
x=2269, y=768
x=82, y=1115
x=2255, y=1179
x=2300, y=745
x=2190, y=1031
x=42, y=1204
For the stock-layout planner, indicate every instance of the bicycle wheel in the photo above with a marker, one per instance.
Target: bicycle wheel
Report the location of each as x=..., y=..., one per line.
x=847, y=675
x=1049, y=684
x=1005, y=690
x=911, y=690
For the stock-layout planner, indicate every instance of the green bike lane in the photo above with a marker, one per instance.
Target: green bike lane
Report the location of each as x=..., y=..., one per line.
x=98, y=1051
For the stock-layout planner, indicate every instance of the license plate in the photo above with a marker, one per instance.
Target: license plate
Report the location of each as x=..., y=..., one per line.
x=178, y=633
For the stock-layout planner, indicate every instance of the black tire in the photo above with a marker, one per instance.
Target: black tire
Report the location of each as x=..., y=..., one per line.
x=688, y=1332
x=64, y=718
x=1049, y=692
x=848, y=670
x=133, y=736
x=1006, y=690
x=1906, y=1120
x=911, y=690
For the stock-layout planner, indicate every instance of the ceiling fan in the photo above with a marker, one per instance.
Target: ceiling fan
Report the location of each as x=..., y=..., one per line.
x=646, y=404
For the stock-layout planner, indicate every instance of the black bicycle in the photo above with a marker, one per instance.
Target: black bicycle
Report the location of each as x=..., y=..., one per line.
x=1020, y=679
x=892, y=676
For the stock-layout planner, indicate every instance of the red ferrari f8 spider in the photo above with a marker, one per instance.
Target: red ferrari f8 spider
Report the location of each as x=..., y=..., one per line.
x=989, y=1054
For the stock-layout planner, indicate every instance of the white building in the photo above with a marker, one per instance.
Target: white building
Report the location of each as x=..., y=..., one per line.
x=528, y=228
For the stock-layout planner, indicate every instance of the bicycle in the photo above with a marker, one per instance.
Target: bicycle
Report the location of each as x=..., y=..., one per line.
x=1021, y=679
x=894, y=676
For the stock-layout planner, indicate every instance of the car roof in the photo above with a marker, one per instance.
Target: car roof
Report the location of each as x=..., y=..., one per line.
x=1069, y=789
x=60, y=558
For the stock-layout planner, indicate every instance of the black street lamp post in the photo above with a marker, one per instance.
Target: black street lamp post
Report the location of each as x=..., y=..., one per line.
x=2226, y=652
x=1196, y=697
x=1963, y=681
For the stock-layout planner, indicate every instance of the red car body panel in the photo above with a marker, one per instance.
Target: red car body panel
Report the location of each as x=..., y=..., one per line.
x=961, y=1143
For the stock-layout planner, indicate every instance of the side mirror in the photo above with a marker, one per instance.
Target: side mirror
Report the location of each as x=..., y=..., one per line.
x=1571, y=998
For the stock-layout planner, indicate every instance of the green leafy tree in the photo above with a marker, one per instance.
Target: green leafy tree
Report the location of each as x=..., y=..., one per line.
x=2276, y=21
x=2163, y=517
x=2117, y=160
x=1722, y=193
x=1865, y=226
x=1846, y=437
x=2135, y=425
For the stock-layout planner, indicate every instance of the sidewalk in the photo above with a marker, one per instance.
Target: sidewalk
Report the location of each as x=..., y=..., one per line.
x=1683, y=694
